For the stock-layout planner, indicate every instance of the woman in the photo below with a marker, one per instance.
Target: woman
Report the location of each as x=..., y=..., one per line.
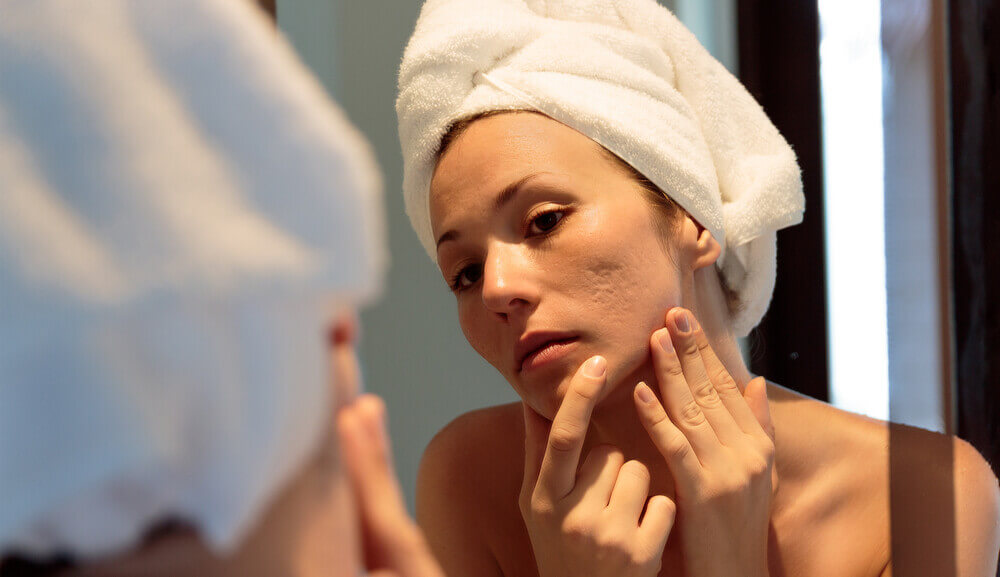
x=601, y=196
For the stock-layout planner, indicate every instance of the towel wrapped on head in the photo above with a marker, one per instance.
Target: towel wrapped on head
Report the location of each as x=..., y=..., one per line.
x=630, y=76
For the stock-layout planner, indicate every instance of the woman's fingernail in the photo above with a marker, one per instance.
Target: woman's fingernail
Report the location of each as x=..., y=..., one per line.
x=665, y=341
x=595, y=367
x=645, y=393
x=681, y=322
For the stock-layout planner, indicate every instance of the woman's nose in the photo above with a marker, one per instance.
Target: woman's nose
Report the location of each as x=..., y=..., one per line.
x=507, y=282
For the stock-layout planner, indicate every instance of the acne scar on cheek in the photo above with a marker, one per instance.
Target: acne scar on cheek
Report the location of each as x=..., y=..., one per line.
x=605, y=281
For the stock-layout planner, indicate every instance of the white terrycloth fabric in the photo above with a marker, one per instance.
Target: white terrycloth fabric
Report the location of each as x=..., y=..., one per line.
x=627, y=74
x=180, y=208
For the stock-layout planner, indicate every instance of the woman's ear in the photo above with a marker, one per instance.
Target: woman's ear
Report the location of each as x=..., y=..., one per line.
x=708, y=250
x=701, y=249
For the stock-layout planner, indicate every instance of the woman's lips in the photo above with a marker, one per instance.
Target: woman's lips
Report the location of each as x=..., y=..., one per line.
x=547, y=353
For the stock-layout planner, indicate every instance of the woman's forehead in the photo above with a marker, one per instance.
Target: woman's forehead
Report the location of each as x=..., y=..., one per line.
x=497, y=151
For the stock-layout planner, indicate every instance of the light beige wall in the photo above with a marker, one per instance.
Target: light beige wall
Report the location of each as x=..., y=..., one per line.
x=412, y=350
x=714, y=23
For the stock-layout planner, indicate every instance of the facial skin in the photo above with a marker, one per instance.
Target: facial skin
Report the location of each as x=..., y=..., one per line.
x=577, y=249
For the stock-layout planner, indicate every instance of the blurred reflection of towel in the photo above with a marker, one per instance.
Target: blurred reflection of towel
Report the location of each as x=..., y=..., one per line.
x=180, y=207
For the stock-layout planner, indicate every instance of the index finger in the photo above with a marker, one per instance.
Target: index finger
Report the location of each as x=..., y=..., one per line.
x=729, y=392
x=557, y=475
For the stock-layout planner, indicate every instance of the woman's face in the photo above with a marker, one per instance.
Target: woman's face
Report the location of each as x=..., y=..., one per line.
x=552, y=251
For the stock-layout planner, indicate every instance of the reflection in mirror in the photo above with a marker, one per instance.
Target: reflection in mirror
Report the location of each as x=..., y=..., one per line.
x=586, y=255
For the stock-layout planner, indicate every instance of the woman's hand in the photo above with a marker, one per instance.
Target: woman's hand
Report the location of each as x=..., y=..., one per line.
x=589, y=524
x=719, y=446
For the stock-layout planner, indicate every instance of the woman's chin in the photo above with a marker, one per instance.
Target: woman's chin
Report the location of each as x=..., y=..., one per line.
x=544, y=387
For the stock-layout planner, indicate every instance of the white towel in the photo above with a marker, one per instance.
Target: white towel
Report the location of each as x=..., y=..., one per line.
x=627, y=74
x=180, y=208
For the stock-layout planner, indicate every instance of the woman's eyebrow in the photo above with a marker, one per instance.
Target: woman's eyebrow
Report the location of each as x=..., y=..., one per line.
x=503, y=199
x=511, y=190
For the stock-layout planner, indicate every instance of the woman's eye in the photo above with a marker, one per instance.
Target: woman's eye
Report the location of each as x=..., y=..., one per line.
x=545, y=222
x=467, y=277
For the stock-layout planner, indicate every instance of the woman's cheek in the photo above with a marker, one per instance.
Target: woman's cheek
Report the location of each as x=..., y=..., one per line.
x=629, y=305
x=479, y=336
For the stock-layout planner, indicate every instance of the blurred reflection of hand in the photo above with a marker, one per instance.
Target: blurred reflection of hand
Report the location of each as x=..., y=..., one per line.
x=393, y=545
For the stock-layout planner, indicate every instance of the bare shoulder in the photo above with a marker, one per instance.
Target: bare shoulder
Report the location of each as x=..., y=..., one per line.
x=945, y=505
x=977, y=512
x=489, y=428
x=479, y=452
x=865, y=479
x=467, y=475
x=831, y=509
